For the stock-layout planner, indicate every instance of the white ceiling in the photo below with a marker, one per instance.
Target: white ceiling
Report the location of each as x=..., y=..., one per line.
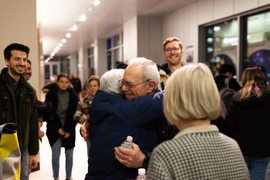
x=56, y=18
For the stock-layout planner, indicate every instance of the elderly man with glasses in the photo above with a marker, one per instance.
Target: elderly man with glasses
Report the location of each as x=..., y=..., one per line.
x=113, y=118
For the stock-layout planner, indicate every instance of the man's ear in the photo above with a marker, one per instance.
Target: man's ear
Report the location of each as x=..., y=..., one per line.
x=7, y=62
x=151, y=86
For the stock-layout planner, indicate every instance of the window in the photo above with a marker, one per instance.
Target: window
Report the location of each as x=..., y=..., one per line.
x=114, y=50
x=91, y=69
x=221, y=43
x=242, y=41
x=257, y=51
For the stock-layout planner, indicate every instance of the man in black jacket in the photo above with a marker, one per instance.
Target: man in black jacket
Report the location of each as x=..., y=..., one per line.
x=76, y=83
x=18, y=105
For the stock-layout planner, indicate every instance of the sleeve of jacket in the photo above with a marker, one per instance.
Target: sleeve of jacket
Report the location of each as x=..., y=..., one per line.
x=33, y=145
x=70, y=123
x=52, y=124
x=232, y=113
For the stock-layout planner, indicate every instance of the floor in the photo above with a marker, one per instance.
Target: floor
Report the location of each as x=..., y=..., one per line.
x=79, y=160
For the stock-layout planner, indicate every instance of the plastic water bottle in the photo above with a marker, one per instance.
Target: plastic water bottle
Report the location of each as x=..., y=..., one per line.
x=127, y=143
x=141, y=174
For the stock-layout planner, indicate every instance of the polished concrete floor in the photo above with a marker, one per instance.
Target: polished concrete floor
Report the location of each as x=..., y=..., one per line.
x=79, y=160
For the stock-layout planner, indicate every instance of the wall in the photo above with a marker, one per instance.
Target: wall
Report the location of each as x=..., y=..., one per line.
x=130, y=39
x=184, y=23
x=19, y=24
x=150, y=38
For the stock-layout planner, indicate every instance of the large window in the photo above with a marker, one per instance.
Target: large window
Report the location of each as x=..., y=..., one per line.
x=258, y=42
x=114, y=50
x=242, y=41
x=91, y=68
x=221, y=43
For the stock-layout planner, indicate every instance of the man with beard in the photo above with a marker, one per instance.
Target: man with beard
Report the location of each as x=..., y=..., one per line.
x=173, y=52
x=18, y=105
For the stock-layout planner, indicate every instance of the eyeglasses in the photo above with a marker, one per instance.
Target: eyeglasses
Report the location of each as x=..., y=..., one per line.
x=128, y=85
x=170, y=49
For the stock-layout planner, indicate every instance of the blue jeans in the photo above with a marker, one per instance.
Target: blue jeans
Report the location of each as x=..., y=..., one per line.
x=257, y=167
x=25, y=171
x=56, y=151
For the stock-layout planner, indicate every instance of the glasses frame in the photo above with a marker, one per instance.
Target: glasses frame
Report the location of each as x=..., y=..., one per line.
x=168, y=50
x=130, y=86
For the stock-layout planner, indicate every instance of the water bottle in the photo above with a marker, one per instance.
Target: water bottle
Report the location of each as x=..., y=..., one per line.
x=141, y=174
x=127, y=143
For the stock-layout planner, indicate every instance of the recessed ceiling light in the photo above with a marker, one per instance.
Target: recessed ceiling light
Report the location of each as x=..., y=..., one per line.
x=90, y=9
x=60, y=44
x=74, y=28
x=68, y=35
x=96, y=2
x=83, y=17
x=63, y=40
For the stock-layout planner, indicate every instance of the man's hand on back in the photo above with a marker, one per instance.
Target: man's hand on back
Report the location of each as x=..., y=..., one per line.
x=132, y=158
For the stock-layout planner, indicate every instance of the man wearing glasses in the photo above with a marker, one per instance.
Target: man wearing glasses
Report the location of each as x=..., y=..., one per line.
x=173, y=52
x=113, y=118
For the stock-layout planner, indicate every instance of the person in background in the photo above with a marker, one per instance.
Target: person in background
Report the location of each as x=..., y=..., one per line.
x=121, y=65
x=198, y=151
x=61, y=130
x=83, y=106
x=173, y=53
x=27, y=75
x=249, y=117
x=18, y=105
x=76, y=83
x=227, y=71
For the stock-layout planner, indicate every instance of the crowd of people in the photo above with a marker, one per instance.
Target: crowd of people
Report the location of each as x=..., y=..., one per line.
x=172, y=111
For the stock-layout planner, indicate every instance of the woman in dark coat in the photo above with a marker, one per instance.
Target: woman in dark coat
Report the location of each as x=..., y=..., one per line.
x=61, y=130
x=249, y=117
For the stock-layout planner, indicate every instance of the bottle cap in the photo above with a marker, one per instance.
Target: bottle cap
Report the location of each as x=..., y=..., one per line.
x=129, y=138
x=141, y=171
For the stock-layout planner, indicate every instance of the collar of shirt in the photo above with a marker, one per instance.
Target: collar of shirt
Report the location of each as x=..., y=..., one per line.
x=196, y=129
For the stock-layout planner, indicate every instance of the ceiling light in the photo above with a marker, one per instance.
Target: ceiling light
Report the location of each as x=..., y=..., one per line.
x=68, y=35
x=52, y=54
x=216, y=28
x=60, y=44
x=55, y=50
x=74, y=28
x=57, y=47
x=96, y=2
x=83, y=17
x=64, y=41
x=90, y=9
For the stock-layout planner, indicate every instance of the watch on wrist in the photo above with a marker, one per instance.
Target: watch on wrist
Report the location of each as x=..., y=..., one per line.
x=145, y=161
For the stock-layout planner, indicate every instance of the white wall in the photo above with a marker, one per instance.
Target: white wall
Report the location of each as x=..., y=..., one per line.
x=130, y=39
x=73, y=63
x=150, y=38
x=19, y=25
x=185, y=22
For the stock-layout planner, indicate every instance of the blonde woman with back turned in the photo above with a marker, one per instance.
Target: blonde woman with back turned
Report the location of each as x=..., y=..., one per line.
x=198, y=151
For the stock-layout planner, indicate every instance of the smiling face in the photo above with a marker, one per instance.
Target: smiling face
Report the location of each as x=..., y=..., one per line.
x=134, y=75
x=93, y=87
x=16, y=64
x=27, y=71
x=63, y=83
x=174, y=56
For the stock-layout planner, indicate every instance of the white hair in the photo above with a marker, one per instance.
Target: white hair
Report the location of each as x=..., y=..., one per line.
x=150, y=71
x=109, y=81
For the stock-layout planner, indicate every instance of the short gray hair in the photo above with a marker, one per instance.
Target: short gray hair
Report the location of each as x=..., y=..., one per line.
x=109, y=81
x=150, y=71
x=191, y=94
